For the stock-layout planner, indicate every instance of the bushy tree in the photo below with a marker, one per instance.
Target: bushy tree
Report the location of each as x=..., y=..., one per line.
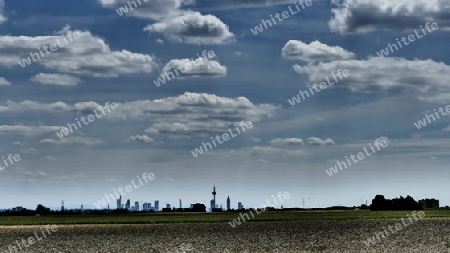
x=40, y=209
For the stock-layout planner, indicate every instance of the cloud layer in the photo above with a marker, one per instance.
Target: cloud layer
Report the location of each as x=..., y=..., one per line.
x=87, y=55
x=391, y=75
x=362, y=16
x=152, y=9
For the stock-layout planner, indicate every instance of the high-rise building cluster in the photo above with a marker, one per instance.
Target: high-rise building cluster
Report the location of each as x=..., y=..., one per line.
x=214, y=207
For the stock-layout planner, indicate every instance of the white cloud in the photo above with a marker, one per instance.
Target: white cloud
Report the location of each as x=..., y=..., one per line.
x=362, y=16
x=257, y=150
x=87, y=55
x=152, y=9
x=73, y=140
x=28, y=105
x=3, y=19
x=18, y=144
x=28, y=130
x=56, y=79
x=193, y=28
x=3, y=81
x=140, y=138
x=387, y=74
x=286, y=141
x=50, y=158
x=314, y=52
x=29, y=151
x=314, y=141
x=181, y=116
x=201, y=67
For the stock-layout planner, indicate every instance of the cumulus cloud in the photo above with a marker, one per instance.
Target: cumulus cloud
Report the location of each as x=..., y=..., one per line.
x=56, y=79
x=152, y=9
x=73, y=140
x=140, y=138
x=199, y=114
x=387, y=74
x=314, y=141
x=314, y=52
x=193, y=28
x=87, y=55
x=362, y=16
x=176, y=117
x=3, y=81
x=200, y=67
x=286, y=141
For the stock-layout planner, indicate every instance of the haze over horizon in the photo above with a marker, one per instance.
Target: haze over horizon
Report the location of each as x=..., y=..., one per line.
x=250, y=78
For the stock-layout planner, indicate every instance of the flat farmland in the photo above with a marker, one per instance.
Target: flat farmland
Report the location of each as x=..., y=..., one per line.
x=337, y=231
x=166, y=218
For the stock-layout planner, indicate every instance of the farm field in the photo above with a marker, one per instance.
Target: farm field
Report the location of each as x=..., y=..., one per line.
x=161, y=218
x=425, y=235
x=305, y=231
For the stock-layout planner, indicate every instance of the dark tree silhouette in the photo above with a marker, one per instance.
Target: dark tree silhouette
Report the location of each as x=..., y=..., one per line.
x=379, y=203
x=40, y=209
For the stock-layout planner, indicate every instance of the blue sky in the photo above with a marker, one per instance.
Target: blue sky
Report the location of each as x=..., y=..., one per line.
x=117, y=58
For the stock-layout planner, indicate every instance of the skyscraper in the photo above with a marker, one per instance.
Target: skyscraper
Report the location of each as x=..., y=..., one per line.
x=156, y=205
x=136, y=206
x=119, y=202
x=147, y=206
x=228, y=203
x=211, y=204
x=181, y=206
x=128, y=205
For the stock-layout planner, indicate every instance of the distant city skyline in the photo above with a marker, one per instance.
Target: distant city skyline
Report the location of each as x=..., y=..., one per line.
x=327, y=54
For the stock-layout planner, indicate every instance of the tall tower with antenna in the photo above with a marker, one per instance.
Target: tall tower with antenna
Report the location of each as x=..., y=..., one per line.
x=214, y=196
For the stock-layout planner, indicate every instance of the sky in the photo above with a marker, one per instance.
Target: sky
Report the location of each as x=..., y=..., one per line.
x=246, y=74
